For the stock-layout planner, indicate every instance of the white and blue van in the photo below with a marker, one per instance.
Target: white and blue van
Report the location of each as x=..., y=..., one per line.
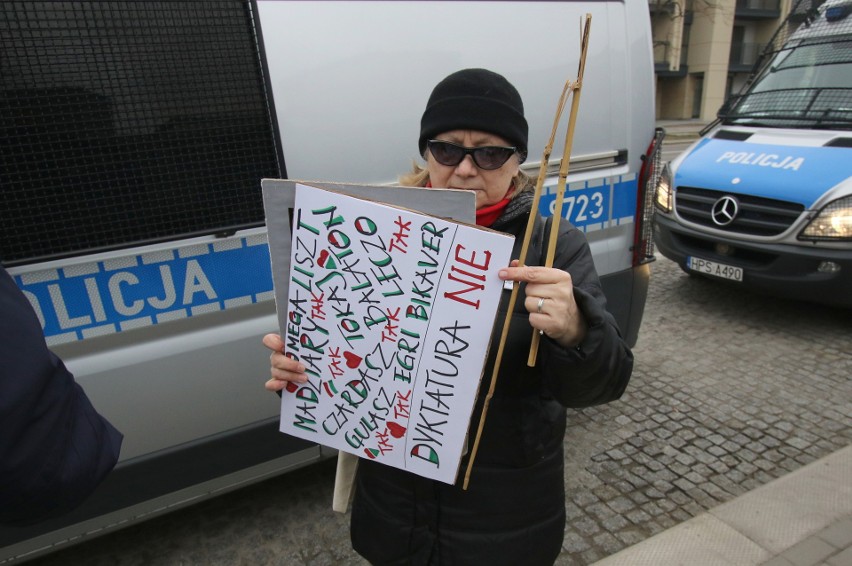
x=764, y=198
x=133, y=140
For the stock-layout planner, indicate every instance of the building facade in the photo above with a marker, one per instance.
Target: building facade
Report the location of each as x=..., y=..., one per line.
x=704, y=50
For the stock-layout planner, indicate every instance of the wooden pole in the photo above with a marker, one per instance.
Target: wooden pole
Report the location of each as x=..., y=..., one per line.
x=567, y=89
x=514, y=296
x=563, y=170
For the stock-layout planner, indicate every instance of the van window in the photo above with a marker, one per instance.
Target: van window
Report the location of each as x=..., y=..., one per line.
x=129, y=123
x=808, y=85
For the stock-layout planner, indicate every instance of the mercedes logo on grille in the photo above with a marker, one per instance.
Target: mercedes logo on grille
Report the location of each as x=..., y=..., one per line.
x=725, y=210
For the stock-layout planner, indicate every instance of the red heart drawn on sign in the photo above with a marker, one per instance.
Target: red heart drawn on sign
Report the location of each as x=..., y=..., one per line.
x=322, y=258
x=396, y=430
x=352, y=360
x=292, y=387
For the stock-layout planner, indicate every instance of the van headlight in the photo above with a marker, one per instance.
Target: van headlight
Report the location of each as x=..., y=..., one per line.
x=663, y=197
x=834, y=222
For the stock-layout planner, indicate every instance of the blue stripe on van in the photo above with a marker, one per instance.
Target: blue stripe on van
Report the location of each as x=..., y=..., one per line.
x=595, y=204
x=105, y=297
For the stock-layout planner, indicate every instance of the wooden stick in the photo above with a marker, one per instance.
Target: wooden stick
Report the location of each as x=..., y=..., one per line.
x=563, y=171
x=514, y=296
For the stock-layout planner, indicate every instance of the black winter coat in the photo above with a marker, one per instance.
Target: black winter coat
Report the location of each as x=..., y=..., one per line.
x=54, y=447
x=513, y=511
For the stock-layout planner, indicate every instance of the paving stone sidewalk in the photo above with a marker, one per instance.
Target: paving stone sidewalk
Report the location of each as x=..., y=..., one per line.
x=731, y=391
x=801, y=519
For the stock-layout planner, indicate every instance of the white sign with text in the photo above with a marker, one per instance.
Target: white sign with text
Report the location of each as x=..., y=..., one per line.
x=391, y=313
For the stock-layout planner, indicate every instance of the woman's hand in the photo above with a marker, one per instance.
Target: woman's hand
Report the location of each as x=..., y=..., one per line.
x=552, y=291
x=284, y=370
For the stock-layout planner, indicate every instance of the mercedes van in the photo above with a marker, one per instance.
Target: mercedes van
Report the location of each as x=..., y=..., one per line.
x=764, y=199
x=133, y=140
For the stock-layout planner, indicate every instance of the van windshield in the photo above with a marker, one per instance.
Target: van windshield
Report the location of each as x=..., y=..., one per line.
x=808, y=84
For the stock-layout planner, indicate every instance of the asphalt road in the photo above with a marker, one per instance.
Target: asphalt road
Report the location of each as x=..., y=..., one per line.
x=731, y=390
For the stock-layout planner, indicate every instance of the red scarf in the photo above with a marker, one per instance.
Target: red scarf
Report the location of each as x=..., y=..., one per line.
x=486, y=215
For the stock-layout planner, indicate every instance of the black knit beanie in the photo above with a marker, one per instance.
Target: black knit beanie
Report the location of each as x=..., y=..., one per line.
x=475, y=99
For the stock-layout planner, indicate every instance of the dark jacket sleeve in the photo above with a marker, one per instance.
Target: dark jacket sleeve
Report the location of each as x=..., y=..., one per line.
x=54, y=447
x=598, y=371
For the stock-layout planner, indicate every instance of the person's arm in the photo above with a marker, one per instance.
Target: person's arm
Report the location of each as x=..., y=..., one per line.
x=597, y=370
x=582, y=357
x=54, y=447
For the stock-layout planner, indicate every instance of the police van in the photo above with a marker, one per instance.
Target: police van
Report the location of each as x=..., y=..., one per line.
x=133, y=140
x=764, y=199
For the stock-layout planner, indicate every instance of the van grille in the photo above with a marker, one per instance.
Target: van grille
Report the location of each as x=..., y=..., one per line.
x=123, y=123
x=756, y=217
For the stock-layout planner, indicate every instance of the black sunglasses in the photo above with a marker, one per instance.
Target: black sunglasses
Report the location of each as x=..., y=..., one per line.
x=486, y=157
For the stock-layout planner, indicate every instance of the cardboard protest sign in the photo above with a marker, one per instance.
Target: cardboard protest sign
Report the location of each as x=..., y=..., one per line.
x=391, y=313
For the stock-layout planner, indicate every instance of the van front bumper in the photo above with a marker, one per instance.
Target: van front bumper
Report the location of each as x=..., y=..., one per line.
x=781, y=270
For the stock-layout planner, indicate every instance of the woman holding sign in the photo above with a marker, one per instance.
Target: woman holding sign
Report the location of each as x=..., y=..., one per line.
x=473, y=136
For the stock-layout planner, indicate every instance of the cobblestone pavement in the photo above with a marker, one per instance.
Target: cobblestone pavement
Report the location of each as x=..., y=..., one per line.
x=731, y=390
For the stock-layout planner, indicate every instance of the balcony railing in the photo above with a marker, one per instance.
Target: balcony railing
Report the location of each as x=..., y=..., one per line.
x=744, y=55
x=758, y=9
x=662, y=6
x=758, y=4
x=662, y=54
